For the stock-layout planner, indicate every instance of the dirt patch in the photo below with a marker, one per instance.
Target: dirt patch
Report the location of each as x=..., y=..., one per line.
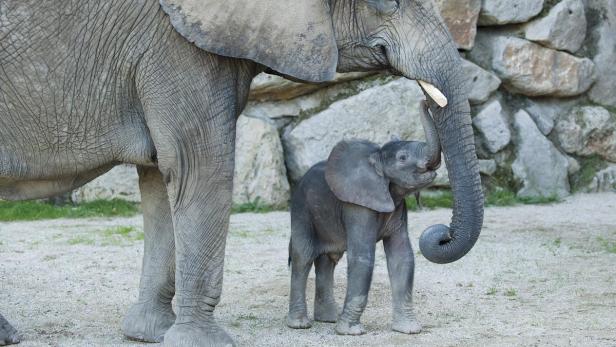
x=539, y=275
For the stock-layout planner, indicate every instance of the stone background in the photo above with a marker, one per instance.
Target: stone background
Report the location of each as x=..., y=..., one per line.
x=542, y=76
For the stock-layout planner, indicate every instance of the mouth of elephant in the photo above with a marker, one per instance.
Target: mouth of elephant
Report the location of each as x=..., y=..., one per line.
x=419, y=181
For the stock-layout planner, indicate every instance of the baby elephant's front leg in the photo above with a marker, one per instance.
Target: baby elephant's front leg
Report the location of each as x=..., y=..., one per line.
x=361, y=242
x=401, y=268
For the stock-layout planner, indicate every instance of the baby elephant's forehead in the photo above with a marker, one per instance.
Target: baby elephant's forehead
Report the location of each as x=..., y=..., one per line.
x=392, y=148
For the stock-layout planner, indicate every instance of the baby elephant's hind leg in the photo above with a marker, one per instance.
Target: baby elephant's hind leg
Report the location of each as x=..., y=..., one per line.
x=298, y=314
x=8, y=334
x=325, y=308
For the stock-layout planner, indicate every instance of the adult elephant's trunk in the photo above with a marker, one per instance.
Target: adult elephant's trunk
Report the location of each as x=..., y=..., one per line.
x=437, y=67
x=439, y=243
x=432, y=147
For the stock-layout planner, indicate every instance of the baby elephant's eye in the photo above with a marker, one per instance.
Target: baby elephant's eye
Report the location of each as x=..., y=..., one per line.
x=402, y=157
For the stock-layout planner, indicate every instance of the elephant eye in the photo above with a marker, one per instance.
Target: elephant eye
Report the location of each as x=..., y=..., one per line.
x=402, y=157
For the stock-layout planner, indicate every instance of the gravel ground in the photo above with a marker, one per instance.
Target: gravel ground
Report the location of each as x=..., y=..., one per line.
x=539, y=275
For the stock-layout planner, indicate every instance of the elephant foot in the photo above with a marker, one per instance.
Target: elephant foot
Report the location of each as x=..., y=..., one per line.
x=326, y=312
x=8, y=334
x=407, y=325
x=189, y=335
x=346, y=328
x=148, y=322
x=298, y=321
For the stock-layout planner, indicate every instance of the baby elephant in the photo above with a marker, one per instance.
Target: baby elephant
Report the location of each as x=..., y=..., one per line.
x=350, y=202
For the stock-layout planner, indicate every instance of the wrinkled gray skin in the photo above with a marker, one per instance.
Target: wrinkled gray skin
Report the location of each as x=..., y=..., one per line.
x=324, y=224
x=86, y=85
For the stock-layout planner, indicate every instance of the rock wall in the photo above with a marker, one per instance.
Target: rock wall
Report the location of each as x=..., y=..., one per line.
x=542, y=77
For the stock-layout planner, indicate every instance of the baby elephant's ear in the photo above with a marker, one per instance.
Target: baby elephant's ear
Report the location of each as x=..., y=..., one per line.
x=353, y=176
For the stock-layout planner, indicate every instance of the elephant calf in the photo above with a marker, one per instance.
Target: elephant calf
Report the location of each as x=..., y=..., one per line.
x=351, y=201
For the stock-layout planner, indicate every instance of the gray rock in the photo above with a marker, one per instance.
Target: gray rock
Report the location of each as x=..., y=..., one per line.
x=545, y=112
x=603, y=38
x=588, y=130
x=307, y=104
x=461, y=19
x=266, y=87
x=539, y=166
x=482, y=83
x=530, y=69
x=496, y=12
x=260, y=173
x=564, y=28
x=121, y=182
x=504, y=158
x=491, y=123
x=487, y=167
x=604, y=181
x=442, y=177
x=574, y=165
x=374, y=114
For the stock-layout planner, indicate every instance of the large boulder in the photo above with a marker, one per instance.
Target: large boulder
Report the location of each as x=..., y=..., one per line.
x=482, y=83
x=545, y=112
x=121, y=182
x=498, y=12
x=530, y=69
x=588, y=130
x=308, y=104
x=374, y=114
x=266, y=87
x=491, y=122
x=603, y=181
x=442, y=177
x=564, y=28
x=539, y=166
x=260, y=173
x=603, y=43
x=461, y=19
x=486, y=167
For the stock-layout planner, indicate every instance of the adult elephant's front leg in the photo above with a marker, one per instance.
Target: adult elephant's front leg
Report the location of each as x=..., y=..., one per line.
x=199, y=175
x=150, y=318
x=194, y=139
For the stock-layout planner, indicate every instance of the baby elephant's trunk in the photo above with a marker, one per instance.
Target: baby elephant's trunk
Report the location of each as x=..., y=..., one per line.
x=432, y=149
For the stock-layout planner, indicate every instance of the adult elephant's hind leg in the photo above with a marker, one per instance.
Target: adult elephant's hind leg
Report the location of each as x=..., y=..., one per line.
x=149, y=319
x=8, y=334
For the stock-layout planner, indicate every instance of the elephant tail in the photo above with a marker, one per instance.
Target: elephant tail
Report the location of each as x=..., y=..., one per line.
x=289, y=260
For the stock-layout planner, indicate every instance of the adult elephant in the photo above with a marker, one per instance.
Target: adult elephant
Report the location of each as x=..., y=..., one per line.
x=87, y=84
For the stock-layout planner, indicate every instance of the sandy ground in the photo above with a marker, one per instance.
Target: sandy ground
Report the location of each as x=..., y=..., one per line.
x=539, y=276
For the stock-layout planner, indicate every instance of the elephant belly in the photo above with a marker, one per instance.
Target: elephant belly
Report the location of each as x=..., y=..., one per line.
x=68, y=103
x=12, y=189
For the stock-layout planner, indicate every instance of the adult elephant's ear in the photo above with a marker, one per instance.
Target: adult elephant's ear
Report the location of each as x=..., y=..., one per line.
x=355, y=176
x=293, y=37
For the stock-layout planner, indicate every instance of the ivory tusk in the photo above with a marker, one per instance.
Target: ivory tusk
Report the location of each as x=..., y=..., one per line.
x=434, y=93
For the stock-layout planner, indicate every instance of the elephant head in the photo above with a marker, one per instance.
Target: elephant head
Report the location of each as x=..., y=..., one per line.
x=312, y=39
x=361, y=173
